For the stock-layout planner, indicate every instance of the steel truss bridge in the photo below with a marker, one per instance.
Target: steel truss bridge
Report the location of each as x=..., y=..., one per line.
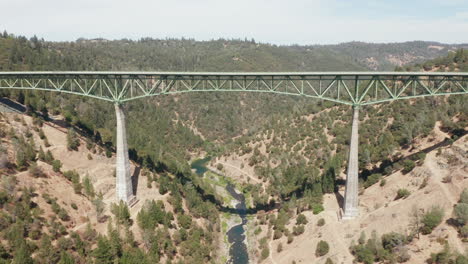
x=355, y=89
x=350, y=88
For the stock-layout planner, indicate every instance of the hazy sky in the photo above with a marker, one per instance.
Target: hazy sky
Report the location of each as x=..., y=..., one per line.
x=272, y=21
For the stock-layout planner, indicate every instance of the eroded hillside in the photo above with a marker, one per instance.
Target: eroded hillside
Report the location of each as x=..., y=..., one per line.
x=57, y=202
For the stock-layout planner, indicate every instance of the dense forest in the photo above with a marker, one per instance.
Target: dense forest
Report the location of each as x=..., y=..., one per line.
x=305, y=142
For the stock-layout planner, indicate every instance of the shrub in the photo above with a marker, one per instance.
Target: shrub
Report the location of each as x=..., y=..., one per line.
x=329, y=261
x=265, y=253
x=56, y=165
x=464, y=231
x=392, y=240
x=372, y=179
x=301, y=220
x=297, y=230
x=74, y=206
x=277, y=234
x=63, y=215
x=321, y=222
x=317, y=208
x=383, y=182
x=464, y=196
x=402, y=193
x=47, y=198
x=49, y=157
x=35, y=171
x=219, y=166
x=461, y=213
x=322, y=248
x=41, y=134
x=185, y=221
x=442, y=257
x=408, y=165
x=279, y=248
x=432, y=219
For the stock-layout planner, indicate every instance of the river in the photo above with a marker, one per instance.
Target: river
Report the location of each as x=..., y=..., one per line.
x=236, y=235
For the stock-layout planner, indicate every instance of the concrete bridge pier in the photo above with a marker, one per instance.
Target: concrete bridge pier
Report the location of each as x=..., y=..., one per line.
x=124, y=188
x=352, y=181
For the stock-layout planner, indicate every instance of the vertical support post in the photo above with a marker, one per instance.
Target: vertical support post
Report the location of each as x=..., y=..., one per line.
x=124, y=189
x=352, y=181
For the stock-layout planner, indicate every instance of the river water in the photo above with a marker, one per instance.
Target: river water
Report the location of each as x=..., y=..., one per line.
x=236, y=235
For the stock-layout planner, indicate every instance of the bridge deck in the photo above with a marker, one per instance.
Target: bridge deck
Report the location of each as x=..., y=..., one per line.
x=345, y=73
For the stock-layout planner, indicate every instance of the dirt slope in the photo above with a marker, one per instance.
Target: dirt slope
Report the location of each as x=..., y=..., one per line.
x=99, y=168
x=382, y=213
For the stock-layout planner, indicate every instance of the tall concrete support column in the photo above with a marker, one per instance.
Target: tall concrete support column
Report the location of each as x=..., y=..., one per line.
x=352, y=181
x=123, y=184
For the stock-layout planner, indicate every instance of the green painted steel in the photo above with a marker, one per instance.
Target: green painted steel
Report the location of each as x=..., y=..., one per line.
x=350, y=88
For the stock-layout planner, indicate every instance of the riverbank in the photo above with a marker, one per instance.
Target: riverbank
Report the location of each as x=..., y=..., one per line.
x=234, y=248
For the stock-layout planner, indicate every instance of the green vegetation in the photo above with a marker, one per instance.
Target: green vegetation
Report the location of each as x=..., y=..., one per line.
x=460, y=214
x=73, y=142
x=445, y=256
x=56, y=165
x=322, y=248
x=402, y=194
x=432, y=219
x=121, y=213
x=321, y=222
x=301, y=220
x=390, y=248
x=307, y=157
x=454, y=61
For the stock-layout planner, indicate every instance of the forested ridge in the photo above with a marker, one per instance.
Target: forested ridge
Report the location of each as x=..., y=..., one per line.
x=297, y=147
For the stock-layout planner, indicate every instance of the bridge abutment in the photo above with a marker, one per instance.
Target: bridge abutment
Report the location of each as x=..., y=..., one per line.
x=124, y=188
x=352, y=181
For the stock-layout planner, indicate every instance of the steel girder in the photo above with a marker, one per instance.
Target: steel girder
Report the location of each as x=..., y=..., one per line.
x=350, y=88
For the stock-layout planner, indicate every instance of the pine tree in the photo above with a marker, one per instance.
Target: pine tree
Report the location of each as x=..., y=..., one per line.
x=41, y=156
x=72, y=140
x=23, y=255
x=47, y=253
x=66, y=258
x=103, y=252
x=49, y=157
x=115, y=241
x=88, y=187
x=121, y=213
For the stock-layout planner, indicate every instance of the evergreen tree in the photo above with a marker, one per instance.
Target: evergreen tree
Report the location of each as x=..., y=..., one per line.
x=103, y=253
x=23, y=255
x=73, y=142
x=66, y=258
x=47, y=252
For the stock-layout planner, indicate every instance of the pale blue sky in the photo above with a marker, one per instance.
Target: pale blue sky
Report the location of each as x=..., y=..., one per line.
x=272, y=21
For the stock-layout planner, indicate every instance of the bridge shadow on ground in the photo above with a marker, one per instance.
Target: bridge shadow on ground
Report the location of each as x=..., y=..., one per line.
x=135, y=179
x=13, y=105
x=390, y=163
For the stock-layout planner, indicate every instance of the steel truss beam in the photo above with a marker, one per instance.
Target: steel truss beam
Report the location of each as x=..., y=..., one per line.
x=350, y=88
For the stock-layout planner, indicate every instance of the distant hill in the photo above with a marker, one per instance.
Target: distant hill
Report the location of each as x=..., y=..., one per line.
x=388, y=55
x=453, y=61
